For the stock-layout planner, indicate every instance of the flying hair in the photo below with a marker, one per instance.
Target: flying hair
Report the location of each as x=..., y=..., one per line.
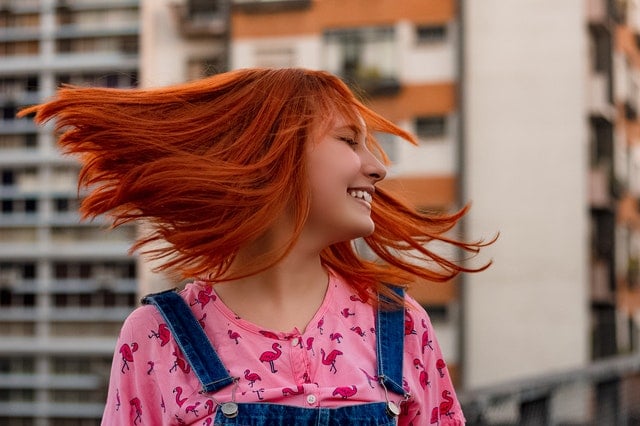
x=210, y=165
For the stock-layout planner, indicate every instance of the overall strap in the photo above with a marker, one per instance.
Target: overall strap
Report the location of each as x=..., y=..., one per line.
x=390, y=345
x=191, y=339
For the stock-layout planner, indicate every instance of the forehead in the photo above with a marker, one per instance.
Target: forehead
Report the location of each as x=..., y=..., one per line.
x=352, y=121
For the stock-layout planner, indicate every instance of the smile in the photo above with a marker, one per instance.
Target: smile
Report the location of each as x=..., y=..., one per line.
x=362, y=195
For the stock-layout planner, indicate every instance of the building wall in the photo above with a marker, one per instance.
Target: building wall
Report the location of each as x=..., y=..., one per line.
x=525, y=172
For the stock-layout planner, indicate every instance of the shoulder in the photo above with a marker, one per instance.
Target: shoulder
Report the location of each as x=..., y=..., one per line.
x=140, y=321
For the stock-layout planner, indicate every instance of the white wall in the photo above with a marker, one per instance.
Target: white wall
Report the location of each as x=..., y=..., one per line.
x=306, y=51
x=526, y=163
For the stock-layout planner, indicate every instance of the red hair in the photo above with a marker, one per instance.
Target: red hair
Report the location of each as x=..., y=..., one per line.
x=212, y=163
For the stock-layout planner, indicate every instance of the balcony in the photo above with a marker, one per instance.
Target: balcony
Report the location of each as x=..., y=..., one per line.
x=202, y=18
x=64, y=6
x=373, y=84
x=271, y=6
x=19, y=6
x=19, y=34
x=598, y=101
x=600, y=283
x=599, y=187
x=108, y=29
x=365, y=58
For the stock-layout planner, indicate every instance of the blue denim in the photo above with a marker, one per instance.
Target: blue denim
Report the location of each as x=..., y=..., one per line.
x=213, y=376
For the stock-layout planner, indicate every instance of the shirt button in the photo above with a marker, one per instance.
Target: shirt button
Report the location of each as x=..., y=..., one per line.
x=311, y=399
x=295, y=341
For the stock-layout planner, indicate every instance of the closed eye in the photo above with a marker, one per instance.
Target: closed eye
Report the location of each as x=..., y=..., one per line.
x=349, y=141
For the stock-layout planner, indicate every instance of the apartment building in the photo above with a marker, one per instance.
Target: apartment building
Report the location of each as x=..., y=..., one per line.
x=65, y=286
x=615, y=154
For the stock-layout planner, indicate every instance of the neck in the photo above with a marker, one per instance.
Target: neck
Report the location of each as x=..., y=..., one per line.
x=294, y=288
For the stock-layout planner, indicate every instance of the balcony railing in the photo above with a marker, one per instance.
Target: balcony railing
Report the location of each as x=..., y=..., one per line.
x=198, y=19
x=604, y=392
x=271, y=6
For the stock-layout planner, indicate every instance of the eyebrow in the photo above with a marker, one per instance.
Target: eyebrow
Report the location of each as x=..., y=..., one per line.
x=355, y=129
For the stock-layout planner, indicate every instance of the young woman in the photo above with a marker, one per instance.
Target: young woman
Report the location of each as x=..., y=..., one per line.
x=257, y=182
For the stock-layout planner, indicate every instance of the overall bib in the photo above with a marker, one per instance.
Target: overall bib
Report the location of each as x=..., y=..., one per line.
x=212, y=374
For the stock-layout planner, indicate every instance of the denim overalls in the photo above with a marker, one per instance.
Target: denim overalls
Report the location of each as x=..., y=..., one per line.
x=213, y=376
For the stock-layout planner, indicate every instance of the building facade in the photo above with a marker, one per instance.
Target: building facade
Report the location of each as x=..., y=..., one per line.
x=65, y=286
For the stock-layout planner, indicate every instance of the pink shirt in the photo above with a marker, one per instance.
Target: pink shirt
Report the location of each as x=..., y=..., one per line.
x=331, y=364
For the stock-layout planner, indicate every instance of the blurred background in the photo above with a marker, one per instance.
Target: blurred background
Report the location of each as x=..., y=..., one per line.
x=528, y=109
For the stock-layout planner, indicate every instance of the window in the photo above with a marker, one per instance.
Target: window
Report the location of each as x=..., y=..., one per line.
x=30, y=140
x=9, y=112
x=429, y=127
x=8, y=178
x=129, y=45
x=30, y=205
x=364, y=57
x=431, y=33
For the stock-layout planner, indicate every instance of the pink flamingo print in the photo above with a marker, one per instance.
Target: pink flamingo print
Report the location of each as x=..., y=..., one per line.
x=446, y=405
x=426, y=342
x=441, y=365
x=288, y=391
x=180, y=363
x=251, y=377
x=193, y=408
x=163, y=334
x=435, y=415
x=330, y=359
x=208, y=421
x=179, y=420
x=408, y=324
x=234, y=336
x=117, y=399
x=270, y=357
x=320, y=325
x=345, y=392
x=201, y=320
x=258, y=392
x=204, y=297
x=127, y=354
x=424, y=376
x=346, y=313
x=269, y=334
x=209, y=405
x=179, y=400
x=358, y=331
x=355, y=298
x=150, y=364
x=335, y=337
x=370, y=379
x=135, y=403
x=310, y=346
x=164, y=409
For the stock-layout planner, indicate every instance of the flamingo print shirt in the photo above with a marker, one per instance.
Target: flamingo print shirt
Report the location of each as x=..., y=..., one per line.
x=330, y=364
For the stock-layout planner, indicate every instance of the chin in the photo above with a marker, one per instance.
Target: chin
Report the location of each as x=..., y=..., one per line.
x=365, y=230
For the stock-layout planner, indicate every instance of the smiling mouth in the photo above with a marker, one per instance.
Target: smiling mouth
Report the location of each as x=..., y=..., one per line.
x=361, y=195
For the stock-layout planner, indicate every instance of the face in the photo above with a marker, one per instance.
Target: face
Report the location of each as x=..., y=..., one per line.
x=342, y=175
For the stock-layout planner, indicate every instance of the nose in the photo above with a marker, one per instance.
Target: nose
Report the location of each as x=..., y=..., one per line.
x=373, y=167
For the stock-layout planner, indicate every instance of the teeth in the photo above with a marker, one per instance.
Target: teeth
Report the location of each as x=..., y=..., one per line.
x=363, y=195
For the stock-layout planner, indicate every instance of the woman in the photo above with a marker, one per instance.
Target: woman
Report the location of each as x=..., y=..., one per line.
x=256, y=182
